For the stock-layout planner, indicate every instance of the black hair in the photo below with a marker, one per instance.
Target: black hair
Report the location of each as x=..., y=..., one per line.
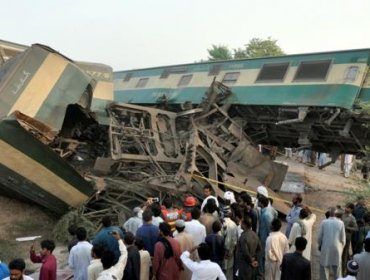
x=276, y=225
x=107, y=259
x=211, y=206
x=167, y=202
x=246, y=198
x=48, y=244
x=263, y=200
x=147, y=216
x=300, y=243
x=204, y=252
x=299, y=197
x=81, y=234
x=350, y=206
x=367, y=245
x=247, y=221
x=303, y=214
x=139, y=243
x=17, y=264
x=216, y=226
x=165, y=229
x=129, y=238
x=209, y=187
x=156, y=209
x=180, y=229
x=195, y=213
x=98, y=250
x=106, y=221
x=72, y=229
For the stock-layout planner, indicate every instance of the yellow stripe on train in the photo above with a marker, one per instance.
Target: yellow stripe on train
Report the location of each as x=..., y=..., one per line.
x=40, y=175
x=40, y=86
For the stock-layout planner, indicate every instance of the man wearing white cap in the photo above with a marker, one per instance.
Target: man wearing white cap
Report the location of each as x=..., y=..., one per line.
x=352, y=270
x=134, y=222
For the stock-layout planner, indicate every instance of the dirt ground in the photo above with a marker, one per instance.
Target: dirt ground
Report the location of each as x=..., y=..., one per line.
x=324, y=188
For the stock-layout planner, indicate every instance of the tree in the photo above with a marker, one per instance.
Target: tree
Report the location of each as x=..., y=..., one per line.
x=255, y=48
x=219, y=52
x=259, y=48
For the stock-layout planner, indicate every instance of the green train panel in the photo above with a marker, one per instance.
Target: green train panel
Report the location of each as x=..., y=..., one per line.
x=330, y=79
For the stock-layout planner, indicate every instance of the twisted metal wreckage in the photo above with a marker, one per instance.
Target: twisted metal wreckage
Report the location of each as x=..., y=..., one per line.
x=142, y=151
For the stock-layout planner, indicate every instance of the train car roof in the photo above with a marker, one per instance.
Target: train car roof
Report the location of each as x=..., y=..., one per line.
x=365, y=50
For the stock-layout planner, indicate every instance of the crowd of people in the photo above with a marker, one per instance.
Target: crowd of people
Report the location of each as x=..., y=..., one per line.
x=239, y=237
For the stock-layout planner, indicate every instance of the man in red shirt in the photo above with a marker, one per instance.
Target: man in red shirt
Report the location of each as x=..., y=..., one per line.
x=166, y=261
x=49, y=263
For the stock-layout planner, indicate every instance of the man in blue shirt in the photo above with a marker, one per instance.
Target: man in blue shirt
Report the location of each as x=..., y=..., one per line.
x=106, y=239
x=148, y=232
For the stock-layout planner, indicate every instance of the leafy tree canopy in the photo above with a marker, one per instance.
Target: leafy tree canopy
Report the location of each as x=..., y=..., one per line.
x=219, y=52
x=256, y=47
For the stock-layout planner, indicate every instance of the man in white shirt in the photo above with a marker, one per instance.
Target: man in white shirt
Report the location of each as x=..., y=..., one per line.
x=205, y=269
x=352, y=270
x=207, y=191
x=114, y=271
x=16, y=269
x=95, y=266
x=195, y=228
x=134, y=222
x=80, y=255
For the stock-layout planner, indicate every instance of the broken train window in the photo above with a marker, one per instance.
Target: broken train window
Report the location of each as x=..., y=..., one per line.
x=185, y=80
x=273, y=72
x=142, y=82
x=312, y=70
x=351, y=73
x=230, y=77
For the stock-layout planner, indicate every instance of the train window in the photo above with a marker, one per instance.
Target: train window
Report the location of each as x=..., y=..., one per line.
x=215, y=70
x=142, y=82
x=273, y=72
x=313, y=70
x=351, y=73
x=231, y=77
x=128, y=76
x=173, y=70
x=185, y=80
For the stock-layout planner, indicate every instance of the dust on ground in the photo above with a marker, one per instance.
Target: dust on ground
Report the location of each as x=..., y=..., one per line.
x=324, y=188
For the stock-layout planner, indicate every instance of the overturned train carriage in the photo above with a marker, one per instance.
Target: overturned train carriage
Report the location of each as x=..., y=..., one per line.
x=43, y=95
x=56, y=131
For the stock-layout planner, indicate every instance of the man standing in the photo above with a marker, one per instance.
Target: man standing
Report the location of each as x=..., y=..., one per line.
x=294, y=265
x=208, y=218
x=148, y=232
x=276, y=246
x=352, y=270
x=17, y=268
x=132, y=269
x=195, y=228
x=331, y=240
x=248, y=251
x=268, y=214
x=106, y=239
x=205, y=269
x=207, y=191
x=49, y=262
x=132, y=224
x=363, y=260
x=293, y=214
x=114, y=270
x=166, y=261
x=231, y=238
x=186, y=243
x=80, y=255
x=350, y=226
x=95, y=267
x=170, y=214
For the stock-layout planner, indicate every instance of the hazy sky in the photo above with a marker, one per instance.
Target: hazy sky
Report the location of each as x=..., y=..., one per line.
x=144, y=33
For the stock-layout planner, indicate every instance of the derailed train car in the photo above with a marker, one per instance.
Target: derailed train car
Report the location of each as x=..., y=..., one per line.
x=44, y=95
x=54, y=130
x=311, y=100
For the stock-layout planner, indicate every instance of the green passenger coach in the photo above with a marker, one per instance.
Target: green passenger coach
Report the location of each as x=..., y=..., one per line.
x=307, y=99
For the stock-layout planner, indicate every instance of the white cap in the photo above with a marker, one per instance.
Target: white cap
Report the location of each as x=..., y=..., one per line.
x=262, y=190
x=230, y=196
